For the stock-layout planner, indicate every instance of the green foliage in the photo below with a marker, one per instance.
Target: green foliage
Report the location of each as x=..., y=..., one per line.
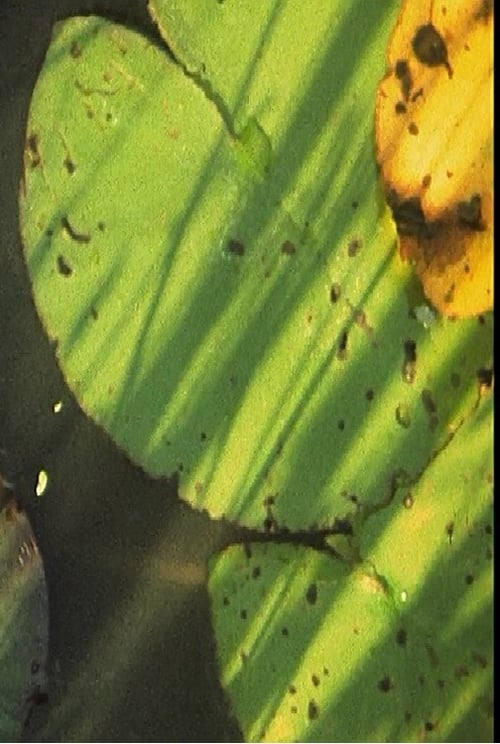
x=209, y=250
x=23, y=621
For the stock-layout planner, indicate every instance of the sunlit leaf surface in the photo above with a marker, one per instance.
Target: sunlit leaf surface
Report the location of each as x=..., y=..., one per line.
x=23, y=620
x=395, y=648
x=209, y=251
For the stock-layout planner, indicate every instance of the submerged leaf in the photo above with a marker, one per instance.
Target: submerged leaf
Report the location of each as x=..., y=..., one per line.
x=23, y=620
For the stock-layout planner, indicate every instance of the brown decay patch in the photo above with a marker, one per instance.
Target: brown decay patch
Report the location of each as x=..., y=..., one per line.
x=78, y=237
x=409, y=369
x=335, y=292
x=312, y=594
x=428, y=401
x=312, y=710
x=430, y=49
x=354, y=247
x=69, y=165
x=385, y=684
x=342, y=345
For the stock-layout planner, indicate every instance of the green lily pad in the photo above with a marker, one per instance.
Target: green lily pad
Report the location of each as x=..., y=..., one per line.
x=397, y=647
x=214, y=264
x=23, y=621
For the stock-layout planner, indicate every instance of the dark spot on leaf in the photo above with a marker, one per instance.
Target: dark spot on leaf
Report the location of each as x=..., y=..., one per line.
x=469, y=579
x=243, y=657
x=315, y=680
x=75, y=50
x=385, y=684
x=428, y=401
x=292, y=689
x=354, y=247
x=78, y=237
x=403, y=74
x=109, y=116
x=421, y=680
x=284, y=631
x=326, y=671
x=369, y=394
x=429, y=726
x=355, y=204
x=236, y=247
x=268, y=501
x=101, y=226
x=243, y=614
x=270, y=525
x=418, y=93
x=341, y=424
x=401, y=637
x=256, y=572
x=225, y=601
x=449, y=531
x=94, y=313
x=432, y=654
x=430, y=48
x=469, y=213
x=403, y=417
x=63, y=267
x=485, y=378
x=412, y=128
x=426, y=181
x=69, y=165
x=293, y=709
x=342, y=526
x=181, y=467
x=480, y=660
x=32, y=150
x=288, y=248
x=409, y=216
x=488, y=529
x=400, y=108
x=312, y=594
x=441, y=683
x=408, y=716
x=335, y=292
x=203, y=436
x=461, y=672
x=312, y=710
x=409, y=369
x=342, y=345
x=408, y=501
x=248, y=550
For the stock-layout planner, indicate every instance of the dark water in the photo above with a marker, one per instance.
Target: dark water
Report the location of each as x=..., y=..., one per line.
x=131, y=651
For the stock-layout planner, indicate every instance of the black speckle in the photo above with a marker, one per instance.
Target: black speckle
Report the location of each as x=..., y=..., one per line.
x=203, y=436
x=441, y=683
x=75, y=50
x=256, y=572
x=430, y=48
x=315, y=680
x=428, y=401
x=335, y=292
x=293, y=709
x=369, y=394
x=341, y=424
x=480, y=660
x=403, y=416
x=225, y=601
x=403, y=74
x=73, y=234
x=485, y=377
x=63, y=267
x=236, y=247
x=312, y=594
x=429, y=726
x=449, y=531
x=109, y=116
x=69, y=165
x=355, y=204
x=94, y=313
x=385, y=684
x=469, y=579
x=354, y=247
x=181, y=467
x=426, y=181
x=292, y=689
x=326, y=671
x=268, y=501
x=488, y=529
x=418, y=93
x=101, y=226
x=412, y=128
x=409, y=369
x=284, y=631
x=400, y=108
x=312, y=710
x=342, y=345
x=243, y=614
x=401, y=637
x=288, y=248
